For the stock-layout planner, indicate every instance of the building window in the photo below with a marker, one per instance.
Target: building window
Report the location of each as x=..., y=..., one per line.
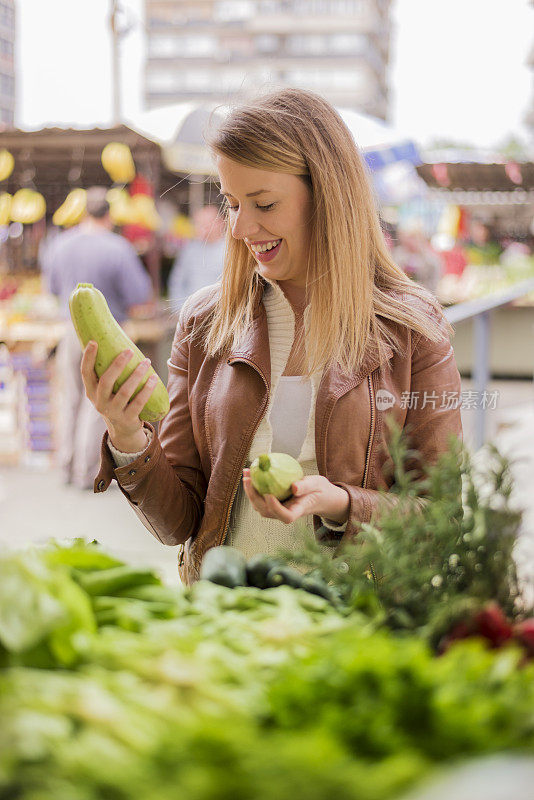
x=7, y=18
x=233, y=10
x=347, y=43
x=7, y=85
x=180, y=46
x=325, y=80
x=173, y=14
x=267, y=43
x=330, y=7
x=198, y=80
x=161, y=82
x=6, y=48
x=162, y=47
x=231, y=46
x=307, y=45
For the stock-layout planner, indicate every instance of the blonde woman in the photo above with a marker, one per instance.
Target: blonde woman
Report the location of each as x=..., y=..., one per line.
x=313, y=337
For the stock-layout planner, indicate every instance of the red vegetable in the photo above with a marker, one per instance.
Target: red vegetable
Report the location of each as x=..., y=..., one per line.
x=491, y=623
x=524, y=633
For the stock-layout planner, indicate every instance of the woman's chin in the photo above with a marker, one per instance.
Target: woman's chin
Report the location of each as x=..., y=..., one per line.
x=269, y=271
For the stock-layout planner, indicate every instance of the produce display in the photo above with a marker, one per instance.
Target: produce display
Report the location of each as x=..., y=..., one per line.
x=93, y=320
x=483, y=280
x=113, y=685
x=274, y=473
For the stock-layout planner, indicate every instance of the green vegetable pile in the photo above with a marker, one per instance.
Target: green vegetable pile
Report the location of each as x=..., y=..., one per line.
x=115, y=687
x=227, y=566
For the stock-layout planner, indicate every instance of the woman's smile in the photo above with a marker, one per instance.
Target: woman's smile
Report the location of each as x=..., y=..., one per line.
x=266, y=251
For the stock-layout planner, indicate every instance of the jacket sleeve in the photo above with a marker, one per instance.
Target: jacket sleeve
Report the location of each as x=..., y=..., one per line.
x=429, y=424
x=165, y=485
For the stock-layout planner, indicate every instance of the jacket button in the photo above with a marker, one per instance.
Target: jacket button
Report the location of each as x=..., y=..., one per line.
x=101, y=486
x=147, y=459
x=132, y=472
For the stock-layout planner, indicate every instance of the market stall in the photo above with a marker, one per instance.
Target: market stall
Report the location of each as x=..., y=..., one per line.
x=54, y=164
x=54, y=161
x=481, y=216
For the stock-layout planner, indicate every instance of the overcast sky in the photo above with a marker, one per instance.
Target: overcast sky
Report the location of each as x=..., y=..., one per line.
x=458, y=67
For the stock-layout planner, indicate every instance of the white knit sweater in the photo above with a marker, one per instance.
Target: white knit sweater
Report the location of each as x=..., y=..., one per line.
x=248, y=531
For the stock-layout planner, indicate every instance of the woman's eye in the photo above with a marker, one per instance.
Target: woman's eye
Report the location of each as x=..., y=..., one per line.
x=263, y=208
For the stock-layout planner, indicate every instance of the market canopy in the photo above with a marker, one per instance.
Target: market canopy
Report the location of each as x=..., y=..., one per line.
x=56, y=160
x=478, y=177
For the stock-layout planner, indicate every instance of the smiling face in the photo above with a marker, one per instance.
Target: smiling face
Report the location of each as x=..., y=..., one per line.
x=265, y=209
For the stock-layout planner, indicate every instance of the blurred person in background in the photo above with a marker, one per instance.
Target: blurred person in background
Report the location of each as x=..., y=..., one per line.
x=199, y=262
x=89, y=253
x=416, y=256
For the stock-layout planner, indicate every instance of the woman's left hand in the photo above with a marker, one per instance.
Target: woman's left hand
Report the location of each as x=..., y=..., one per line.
x=313, y=494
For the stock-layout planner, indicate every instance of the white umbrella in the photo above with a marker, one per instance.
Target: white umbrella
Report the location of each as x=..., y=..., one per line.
x=390, y=154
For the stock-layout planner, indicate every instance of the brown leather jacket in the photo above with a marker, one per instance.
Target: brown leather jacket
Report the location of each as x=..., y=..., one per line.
x=183, y=486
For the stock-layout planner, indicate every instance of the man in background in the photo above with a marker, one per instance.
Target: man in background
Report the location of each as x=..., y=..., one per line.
x=89, y=253
x=415, y=255
x=200, y=261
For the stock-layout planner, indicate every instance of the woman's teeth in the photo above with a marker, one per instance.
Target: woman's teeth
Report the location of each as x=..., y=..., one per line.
x=263, y=248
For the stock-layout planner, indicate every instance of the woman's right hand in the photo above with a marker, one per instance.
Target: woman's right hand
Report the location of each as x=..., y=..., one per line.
x=120, y=414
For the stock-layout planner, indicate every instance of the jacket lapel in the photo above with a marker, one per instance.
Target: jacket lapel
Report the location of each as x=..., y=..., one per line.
x=254, y=348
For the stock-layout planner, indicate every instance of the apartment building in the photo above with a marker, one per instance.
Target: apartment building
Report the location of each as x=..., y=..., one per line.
x=208, y=50
x=7, y=63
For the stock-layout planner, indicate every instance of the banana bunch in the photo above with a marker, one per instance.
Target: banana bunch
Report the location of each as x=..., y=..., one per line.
x=27, y=206
x=118, y=162
x=7, y=163
x=5, y=208
x=72, y=209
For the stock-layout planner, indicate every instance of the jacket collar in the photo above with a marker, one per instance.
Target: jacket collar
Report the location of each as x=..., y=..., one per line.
x=254, y=348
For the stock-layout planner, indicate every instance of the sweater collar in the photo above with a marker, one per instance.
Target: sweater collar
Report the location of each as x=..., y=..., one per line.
x=254, y=348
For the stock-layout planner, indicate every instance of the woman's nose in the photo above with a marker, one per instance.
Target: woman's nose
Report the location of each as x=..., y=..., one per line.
x=244, y=226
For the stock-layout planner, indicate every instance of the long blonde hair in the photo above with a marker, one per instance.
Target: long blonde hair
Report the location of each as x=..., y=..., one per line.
x=350, y=269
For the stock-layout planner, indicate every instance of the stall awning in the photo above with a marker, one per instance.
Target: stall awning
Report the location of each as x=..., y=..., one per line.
x=56, y=160
x=508, y=176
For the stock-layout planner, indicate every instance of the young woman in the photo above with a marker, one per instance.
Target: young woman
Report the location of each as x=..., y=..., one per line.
x=313, y=337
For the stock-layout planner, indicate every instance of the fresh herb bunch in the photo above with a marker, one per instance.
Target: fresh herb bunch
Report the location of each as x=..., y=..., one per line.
x=424, y=566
